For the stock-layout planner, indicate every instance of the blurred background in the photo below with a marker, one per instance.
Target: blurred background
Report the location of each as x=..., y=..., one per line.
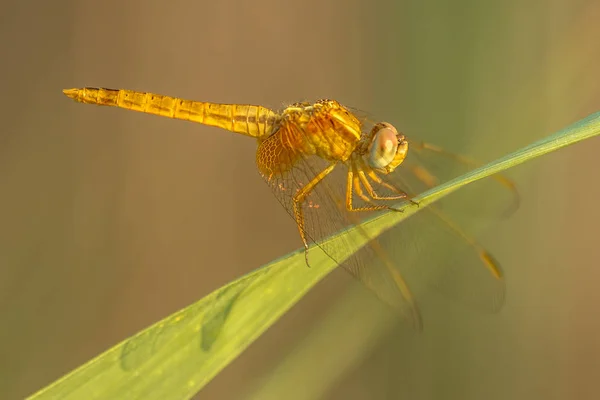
x=112, y=220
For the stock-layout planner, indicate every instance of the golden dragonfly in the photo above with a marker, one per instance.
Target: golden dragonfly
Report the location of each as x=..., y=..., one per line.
x=330, y=168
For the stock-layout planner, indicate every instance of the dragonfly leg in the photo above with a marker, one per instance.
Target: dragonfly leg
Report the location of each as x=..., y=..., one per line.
x=361, y=173
x=298, y=200
x=353, y=186
x=378, y=180
x=371, y=191
x=371, y=174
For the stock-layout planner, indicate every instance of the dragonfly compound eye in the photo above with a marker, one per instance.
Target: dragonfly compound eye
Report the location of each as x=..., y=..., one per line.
x=383, y=147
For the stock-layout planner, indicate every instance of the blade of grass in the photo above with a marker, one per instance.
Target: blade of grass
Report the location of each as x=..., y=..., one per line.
x=176, y=357
x=347, y=334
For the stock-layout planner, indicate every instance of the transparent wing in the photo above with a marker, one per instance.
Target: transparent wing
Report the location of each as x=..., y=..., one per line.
x=325, y=213
x=438, y=246
x=428, y=249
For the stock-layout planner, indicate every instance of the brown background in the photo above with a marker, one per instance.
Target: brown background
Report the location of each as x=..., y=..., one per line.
x=111, y=220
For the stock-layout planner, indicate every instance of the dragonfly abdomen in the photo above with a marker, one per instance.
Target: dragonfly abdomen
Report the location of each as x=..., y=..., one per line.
x=250, y=120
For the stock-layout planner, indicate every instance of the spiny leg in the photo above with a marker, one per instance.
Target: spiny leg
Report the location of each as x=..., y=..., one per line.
x=299, y=198
x=353, y=186
x=402, y=195
x=371, y=173
x=361, y=173
x=359, y=192
x=372, y=192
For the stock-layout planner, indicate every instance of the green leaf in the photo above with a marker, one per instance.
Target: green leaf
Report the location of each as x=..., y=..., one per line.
x=178, y=356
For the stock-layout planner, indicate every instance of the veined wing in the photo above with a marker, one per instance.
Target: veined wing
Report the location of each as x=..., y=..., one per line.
x=325, y=213
x=427, y=248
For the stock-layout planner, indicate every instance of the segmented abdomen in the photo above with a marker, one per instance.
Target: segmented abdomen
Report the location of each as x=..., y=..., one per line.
x=251, y=120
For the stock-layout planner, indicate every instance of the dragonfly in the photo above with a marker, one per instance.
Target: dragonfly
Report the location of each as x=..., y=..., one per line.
x=331, y=167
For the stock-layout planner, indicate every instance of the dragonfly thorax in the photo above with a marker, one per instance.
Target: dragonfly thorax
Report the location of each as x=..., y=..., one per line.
x=325, y=129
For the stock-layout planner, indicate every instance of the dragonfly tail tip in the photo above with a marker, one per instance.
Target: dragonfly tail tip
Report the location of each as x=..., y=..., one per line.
x=71, y=93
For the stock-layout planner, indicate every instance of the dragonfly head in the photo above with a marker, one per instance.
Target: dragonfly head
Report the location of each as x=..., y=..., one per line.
x=387, y=148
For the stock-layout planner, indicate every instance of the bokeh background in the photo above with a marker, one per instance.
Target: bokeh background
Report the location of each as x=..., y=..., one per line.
x=111, y=220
